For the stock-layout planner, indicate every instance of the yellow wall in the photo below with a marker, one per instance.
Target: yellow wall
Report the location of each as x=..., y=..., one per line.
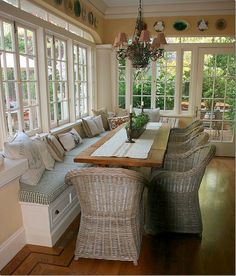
x=10, y=211
x=113, y=26
x=107, y=29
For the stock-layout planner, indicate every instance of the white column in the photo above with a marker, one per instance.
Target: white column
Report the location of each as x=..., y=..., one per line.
x=105, y=74
x=43, y=83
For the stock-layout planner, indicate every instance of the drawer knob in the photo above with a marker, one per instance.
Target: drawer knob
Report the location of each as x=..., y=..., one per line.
x=57, y=212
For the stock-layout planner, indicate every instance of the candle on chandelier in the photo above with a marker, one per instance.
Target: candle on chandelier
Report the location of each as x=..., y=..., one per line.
x=131, y=109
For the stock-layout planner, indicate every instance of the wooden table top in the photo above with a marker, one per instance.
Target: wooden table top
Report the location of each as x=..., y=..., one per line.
x=155, y=156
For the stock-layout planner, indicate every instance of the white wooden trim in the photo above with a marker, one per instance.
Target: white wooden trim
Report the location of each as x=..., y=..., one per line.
x=10, y=247
x=11, y=169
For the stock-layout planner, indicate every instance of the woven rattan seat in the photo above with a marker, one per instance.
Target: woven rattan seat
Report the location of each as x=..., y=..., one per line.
x=111, y=203
x=173, y=203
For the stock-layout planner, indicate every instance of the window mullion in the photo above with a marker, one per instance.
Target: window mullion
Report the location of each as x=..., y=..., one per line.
x=178, y=87
x=19, y=95
x=153, y=85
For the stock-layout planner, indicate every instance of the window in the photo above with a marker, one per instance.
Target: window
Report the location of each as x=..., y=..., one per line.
x=81, y=81
x=218, y=96
x=169, y=82
x=57, y=80
x=19, y=78
x=29, y=7
x=166, y=81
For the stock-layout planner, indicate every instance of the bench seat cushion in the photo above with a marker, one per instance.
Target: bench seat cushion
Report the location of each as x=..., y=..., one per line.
x=51, y=185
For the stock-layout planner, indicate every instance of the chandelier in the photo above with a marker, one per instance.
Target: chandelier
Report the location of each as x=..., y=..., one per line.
x=140, y=50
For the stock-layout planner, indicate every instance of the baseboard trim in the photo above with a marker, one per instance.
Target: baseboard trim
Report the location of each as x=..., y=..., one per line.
x=10, y=247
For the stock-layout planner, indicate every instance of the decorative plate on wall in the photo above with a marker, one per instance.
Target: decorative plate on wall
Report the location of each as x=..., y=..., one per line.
x=159, y=26
x=180, y=25
x=77, y=8
x=220, y=24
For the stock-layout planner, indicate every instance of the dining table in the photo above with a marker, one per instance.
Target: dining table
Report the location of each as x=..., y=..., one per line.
x=154, y=140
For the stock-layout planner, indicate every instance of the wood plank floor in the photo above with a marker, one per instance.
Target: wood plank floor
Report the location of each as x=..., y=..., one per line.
x=161, y=254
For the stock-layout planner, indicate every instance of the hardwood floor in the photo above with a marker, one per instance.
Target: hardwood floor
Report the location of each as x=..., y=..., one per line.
x=161, y=254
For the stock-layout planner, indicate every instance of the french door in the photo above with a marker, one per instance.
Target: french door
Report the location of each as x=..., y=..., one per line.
x=216, y=97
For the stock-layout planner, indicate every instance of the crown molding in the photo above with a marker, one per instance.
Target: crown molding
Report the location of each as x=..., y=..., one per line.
x=114, y=9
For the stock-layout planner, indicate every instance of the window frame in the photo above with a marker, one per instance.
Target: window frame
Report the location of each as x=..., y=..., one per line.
x=57, y=122
x=77, y=82
x=18, y=83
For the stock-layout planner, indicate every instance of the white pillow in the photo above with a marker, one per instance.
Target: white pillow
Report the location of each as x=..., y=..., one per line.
x=67, y=140
x=99, y=123
x=32, y=176
x=22, y=147
x=44, y=153
x=93, y=127
x=76, y=136
x=153, y=113
x=90, y=128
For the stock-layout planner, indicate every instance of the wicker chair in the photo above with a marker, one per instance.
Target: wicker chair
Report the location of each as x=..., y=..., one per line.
x=188, y=128
x=112, y=215
x=173, y=203
x=183, y=137
x=196, y=141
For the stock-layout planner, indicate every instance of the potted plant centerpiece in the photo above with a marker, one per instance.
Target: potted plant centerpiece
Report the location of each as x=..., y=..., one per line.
x=139, y=123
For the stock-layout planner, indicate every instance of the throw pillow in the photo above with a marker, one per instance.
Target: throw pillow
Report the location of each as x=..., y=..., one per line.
x=67, y=140
x=76, y=136
x=104, y=114
x=46, y=157
x=22, y=147
x=120, y=112
x=55, y=148
x=117, y=121
x=90, y=127
x=32, y=176
x=153, y=113
x=99, y=123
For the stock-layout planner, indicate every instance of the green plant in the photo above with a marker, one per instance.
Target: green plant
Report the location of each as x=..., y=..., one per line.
x=138, y=121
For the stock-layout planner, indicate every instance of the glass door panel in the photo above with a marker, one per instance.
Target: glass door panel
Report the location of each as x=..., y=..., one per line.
x=217, y=103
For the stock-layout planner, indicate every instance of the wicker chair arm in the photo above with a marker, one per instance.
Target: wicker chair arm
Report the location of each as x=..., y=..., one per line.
x=187, y=135
x=193, y=125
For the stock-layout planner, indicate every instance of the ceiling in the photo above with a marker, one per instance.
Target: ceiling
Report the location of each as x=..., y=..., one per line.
x=128, y=8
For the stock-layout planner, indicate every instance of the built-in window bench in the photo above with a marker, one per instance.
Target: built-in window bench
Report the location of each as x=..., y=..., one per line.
x=49, y=207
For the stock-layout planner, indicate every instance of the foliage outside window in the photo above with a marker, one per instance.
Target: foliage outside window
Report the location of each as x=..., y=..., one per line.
x=165, y=81
x=19, y=78
x=142, y=87
x=57, y=80
x=80, y=81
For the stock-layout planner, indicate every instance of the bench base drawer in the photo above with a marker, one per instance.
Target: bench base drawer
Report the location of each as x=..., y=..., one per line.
x=44, y=224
